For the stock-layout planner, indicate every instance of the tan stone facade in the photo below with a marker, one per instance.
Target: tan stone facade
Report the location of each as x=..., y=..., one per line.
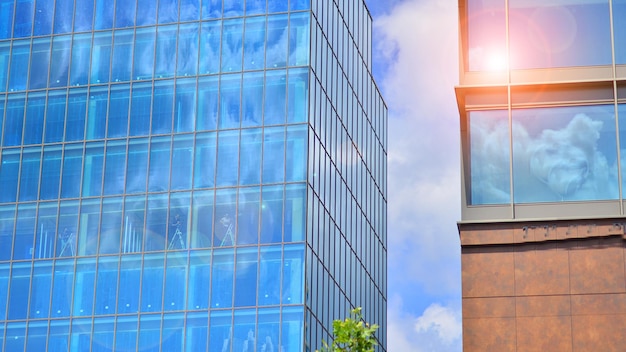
x=544, y=286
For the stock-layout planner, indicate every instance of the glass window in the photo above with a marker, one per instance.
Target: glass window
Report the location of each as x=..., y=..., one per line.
x=62, y=288
x=296, y=153
x=294, y=222
x=175, y=282
x=14, y=121
x=60, y=61
x=248, y=216
x=250, y=157
x=15, y=336
x=210, y=42
x=162, y=107
x=273, y=155
x=40, y=290
x=72, y=166
x=64, y=10
x=486, y=35
x=202, y=217
x=76, y=109
x=277, y=39
x=199, y=280
x=24, y=232
x=225, y=212
x=4, y=291
x=97, y=112
x=189, y=10
x=228, y=152
x=230, y=101
x=187, y=59
x=115, y=167
x=246, y=277
x=178, y=234
x=81, y=51
x=185, y=105
x=144, y=53
x=39, y=62
x=19, y=65
x=156, y=223
x=252, y=99
x=84, y=289
x=134, y=214
x=255, y=7
x=83, y=16
x=55, y=116
x=182, y=162
x=102, y=337
x=106, y=286
x=152, y=282
x=4, y=64
x=619, y=29
x=564, y=154
x=9, y=174
x=196, y=331
x=19, y=285
x=159, y=172
x=298, y=96
x=140, y=109
x=269, y=276
x=117, y=120
x=168, y=11
x=137, y=171
x=293, y=275
x=211, y=9
x=207, y=103
x=80, y=339
x=147, y=12
x=93, y=169
x=6, y=18
x=104, y=14
x=125, y=332
x=489, y=158
x=29, y=174
x=7, y=222
x=277, y=6
x=128, y=289
x=583, y=37
x=125, y=13
x=165, y=48
x=292, y=328
x=275, y=97
x=67, y=227
x=232, y=45
x=295, y=5
x=204, y=168
x=121, y=63
x=244, y=330
x=149, y=333
x=220, y=330
x=233, y=8
x=35, y=110
x=269, y=328
x=88, y=227
x=299, y=29
x=23, y=25
x=222, y=280
x=101, y=57
x=272, y=214
x=111, y=226
x=50, y=173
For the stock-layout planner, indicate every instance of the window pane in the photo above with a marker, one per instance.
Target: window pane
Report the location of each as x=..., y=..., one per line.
x=117, y=125
x=196, y=331
x=9, y=174
x=204, y=168
x=152, y=282
x=230, y=101
x=125, y=13
x=250, y=157
x=185, y=105
x=106, y=286
x=175, y=282
x=81, y=51
x=222, y=280
x=277, y=6
x=63, y=16
x=162, y=107
x=60, y=61
x=67, y=227
x=189, y=10
x=277, y=38
x=486, y=33
x=104, y=14
x=23, y=18
x=246, y=277
x=156, y=223
x=134, y=214
x=199, y=280
x=269, y=328
x=102, y=338
x=489, y=157
x=274, y=155
x=4, y=289
x=165, y=51
x=6, y=18
x=207, y=103
x=252, y=99
x=19, y=285
x=292, y=328
x=244, y=328
x=178, y=234
x=149, y=333
x=248, y=216
x=147, y=12
x=571, y=154
x=583, y=38
x=93, y=169
x=211, y=9
x=168, y=11
x=137, y=170
x=232, y=45
x=159, y=173
x=115, y=167
x=84, y=288
x=182, y=162
x=40, y=290
x=202, y=219
x=111, y=227
x=272, y=214
x=298, y=96
x=210, y=45
x=29, y=174
x=225, y=217
x=187, y=58
x=269, y=275
x=130, y=279
x=140, y=109
x=39, y=62
x=122, y=54
x=88, y=227
x=293, y=275
x=296, y=153
x=294, y=222
x=35, y=108
x=83, y=17
x=72, y=166
x=19, y=65
x=101, y=57
x=62, y=288
x=5, y=57
x=144, y=53
x=76, y=109
x=619, y=28
x=97, y=112
x=299, y=36
x=255, y=7
x=228, y=152
x=126, y=332
x=275, y=97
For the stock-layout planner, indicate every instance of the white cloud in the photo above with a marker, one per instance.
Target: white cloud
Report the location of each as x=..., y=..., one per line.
x=437, y=329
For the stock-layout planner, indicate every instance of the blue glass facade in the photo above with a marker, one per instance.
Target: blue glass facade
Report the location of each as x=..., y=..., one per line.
x=186, y=175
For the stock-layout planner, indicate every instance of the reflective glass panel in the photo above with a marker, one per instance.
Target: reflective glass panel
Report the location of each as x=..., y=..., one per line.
x=222, y=278
x=199, y=280
x=248, y=215
x=277, y=39
x=101, y=57
x=143, y=63
x=152, y=282
x=63, y=12
x=24, y=11
x=165, y=65
x=60, y=61
x=210, y=36
x=204, y=160
x=35, y=111
x=202, y=217
x=129, y=281
x=19, y=65
x=46, y=230
x=40, y=289
x=250, y=156
x=159, y=172
x=269, y=275
x=106, y=286
x=162, y=107
x=228, y=152
x=137, y=171
x=185, y=105
x=93, y=168
x=117, y=124
x=232, y=45
x=187, y=59
x=208, y=102
x=252, y=99
x=97, y=112
x=39, y=62
x=7, y=222
x=84, y=291
x=14, y=121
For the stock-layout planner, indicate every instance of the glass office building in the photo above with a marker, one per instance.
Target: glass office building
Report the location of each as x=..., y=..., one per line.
x=187, y=175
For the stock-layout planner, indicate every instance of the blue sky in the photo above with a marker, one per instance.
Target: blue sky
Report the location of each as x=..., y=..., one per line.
x=416, y=68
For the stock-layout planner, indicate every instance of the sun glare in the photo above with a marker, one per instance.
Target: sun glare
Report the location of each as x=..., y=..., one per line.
x=495, y=62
